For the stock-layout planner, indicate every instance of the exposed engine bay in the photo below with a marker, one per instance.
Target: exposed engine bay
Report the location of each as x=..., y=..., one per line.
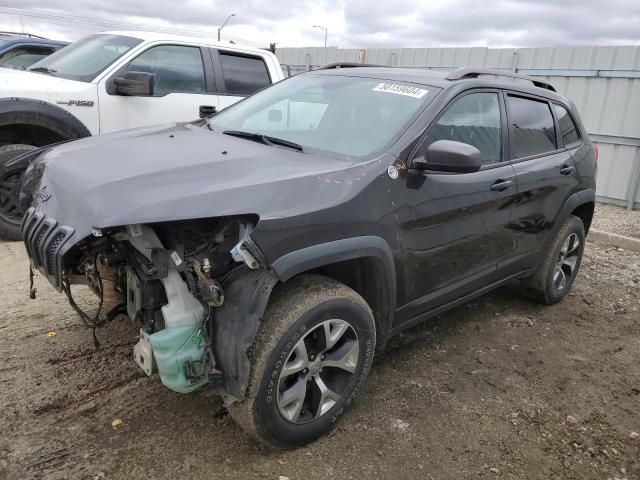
x=169, y=277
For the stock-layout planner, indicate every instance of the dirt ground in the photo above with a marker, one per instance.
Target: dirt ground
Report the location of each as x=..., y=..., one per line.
x=500, y=388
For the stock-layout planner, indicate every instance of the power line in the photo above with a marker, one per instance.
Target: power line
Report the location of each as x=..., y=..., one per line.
x=67, y=18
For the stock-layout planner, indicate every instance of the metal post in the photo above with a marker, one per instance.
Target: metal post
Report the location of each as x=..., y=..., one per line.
x=634, y=182
x=222, y=26
x=326, y=29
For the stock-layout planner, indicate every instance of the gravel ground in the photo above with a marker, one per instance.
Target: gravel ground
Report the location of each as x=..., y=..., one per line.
x=617, y=220
x=501, y=388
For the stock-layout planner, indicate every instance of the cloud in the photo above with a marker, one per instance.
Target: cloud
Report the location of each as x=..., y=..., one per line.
x=356, y=23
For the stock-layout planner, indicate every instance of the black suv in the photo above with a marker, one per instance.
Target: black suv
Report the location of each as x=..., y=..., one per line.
x=269, y=251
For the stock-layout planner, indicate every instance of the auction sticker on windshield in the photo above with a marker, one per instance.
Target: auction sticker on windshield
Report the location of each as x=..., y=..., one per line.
x=398, y=89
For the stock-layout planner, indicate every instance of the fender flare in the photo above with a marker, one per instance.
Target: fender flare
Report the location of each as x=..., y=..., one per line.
x=367, y=246
x=573, y=202
x=26, y=111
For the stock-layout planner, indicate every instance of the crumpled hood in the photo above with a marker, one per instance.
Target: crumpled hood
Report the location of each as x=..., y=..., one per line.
x=182, y=171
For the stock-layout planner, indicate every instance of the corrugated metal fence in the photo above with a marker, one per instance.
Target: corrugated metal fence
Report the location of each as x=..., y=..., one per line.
x=604, y=82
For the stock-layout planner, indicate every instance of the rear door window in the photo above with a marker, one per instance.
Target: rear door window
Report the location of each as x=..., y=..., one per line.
x=568, y=129
x=531, y=127
x=243, y=75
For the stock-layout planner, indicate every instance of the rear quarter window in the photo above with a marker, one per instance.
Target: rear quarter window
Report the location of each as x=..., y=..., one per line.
x=568, y=129
x=531, y=127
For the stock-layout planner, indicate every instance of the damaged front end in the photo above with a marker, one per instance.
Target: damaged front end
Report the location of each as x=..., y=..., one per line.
x=197, y=287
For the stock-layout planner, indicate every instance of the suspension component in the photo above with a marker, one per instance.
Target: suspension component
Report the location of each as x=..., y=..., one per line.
x=209, y=289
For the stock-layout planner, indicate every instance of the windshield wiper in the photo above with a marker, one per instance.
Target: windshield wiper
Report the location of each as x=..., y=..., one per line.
x=43, y=70
x=266, y=139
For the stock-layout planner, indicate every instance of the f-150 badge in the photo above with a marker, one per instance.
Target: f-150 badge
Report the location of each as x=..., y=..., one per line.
x=77, y=103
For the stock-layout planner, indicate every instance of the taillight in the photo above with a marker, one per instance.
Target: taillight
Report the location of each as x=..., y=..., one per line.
x=595, y=150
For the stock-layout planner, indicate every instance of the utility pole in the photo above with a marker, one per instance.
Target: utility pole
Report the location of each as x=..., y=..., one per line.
x=225, y=22
x=325, y=33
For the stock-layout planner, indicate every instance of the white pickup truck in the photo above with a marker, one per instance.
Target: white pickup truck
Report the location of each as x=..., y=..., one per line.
x=114, y=81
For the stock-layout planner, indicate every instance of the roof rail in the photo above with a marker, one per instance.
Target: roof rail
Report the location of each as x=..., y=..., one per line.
x=20, y=34
x=469, y=72
x=332, y=66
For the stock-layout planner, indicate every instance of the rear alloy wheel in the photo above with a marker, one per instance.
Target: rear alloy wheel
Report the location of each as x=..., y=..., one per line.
x=10, y=178
x=555, y=276
x=310, y=358
x=565, y=268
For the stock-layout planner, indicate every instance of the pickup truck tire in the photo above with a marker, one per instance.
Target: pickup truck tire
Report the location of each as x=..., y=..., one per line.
x=554, y=277
x=309, y=360
x=10, y=213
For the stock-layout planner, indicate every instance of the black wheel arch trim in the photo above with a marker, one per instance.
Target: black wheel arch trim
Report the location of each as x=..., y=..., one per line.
x=574, y=201
x=323, y=254
x=26, y=111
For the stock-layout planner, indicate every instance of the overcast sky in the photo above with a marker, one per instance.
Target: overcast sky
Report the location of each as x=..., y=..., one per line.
x=355, y=23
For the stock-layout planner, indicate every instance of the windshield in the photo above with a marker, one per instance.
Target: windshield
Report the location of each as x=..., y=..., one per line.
x=344, y=115
x=86, y=58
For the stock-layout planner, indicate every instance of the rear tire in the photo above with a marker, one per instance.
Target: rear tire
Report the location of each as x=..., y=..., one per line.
x=309, y=360
x=10, y=212
x=555, y=276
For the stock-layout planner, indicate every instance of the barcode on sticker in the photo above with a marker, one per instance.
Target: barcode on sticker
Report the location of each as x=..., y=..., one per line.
x=176, y=258
x=398, y=89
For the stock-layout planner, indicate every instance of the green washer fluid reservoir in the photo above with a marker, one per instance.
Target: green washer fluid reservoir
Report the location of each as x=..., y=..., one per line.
x=178, y=350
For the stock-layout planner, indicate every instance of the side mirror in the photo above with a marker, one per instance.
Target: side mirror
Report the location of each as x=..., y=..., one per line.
x=449, y=156
x=135, y=84
x=207, y=111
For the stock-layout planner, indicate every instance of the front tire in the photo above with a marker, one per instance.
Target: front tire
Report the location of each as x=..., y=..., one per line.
x=309, y=360
x=553, y=279
x=10, y=211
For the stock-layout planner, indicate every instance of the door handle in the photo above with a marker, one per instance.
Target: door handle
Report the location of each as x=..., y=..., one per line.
x=501, y=185
x=567, y=169
x=207, y=111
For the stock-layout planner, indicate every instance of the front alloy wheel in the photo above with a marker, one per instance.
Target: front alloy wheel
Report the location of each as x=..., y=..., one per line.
x=309, y=360
x=318, y=371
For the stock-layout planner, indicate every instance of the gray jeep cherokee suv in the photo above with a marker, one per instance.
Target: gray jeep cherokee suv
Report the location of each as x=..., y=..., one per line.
x=268, y=252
